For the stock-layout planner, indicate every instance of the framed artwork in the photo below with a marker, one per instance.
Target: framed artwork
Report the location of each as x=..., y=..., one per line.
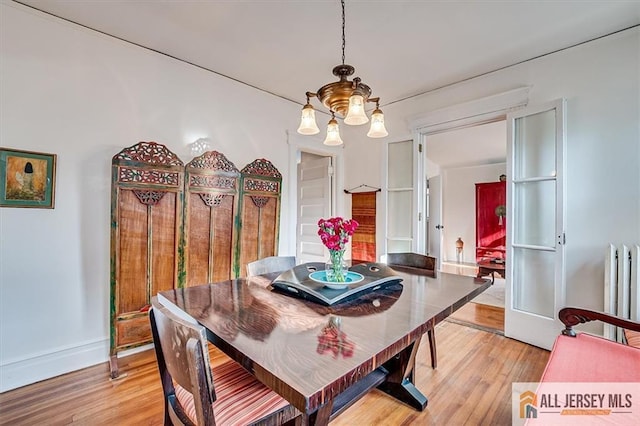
x=27, y=179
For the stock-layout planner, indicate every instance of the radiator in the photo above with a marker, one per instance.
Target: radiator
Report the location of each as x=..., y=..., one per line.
x=621, y=286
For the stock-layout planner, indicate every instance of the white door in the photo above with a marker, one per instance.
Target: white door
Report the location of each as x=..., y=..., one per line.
x=434, y=221
x=401, y=216
x=314, y=202
x=535, y=289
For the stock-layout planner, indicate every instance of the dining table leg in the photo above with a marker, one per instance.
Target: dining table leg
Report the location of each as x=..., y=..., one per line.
x=399, y=382
x=320, y=417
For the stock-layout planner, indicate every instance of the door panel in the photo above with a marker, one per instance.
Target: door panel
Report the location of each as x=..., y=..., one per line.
x=536, y=268
x=314, y=202
x=535, y=288
x=434, y=227
x=400, y=197
x=536, y=217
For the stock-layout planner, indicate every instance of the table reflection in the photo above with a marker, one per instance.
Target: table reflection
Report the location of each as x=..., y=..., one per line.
x=254, y=310
x=334, y=341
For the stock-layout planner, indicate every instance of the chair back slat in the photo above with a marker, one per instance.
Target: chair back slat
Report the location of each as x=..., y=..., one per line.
x=412, y=260
x=270, y=264
x=182, y=345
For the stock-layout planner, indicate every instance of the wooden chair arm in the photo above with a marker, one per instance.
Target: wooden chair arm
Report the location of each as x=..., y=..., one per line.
x=573, y=316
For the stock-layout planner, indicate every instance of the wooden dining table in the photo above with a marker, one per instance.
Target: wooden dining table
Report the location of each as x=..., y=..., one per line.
x=323, y=358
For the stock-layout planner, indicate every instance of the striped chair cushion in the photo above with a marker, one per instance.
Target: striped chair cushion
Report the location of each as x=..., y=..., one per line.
x=241, y=399
x=633, y=338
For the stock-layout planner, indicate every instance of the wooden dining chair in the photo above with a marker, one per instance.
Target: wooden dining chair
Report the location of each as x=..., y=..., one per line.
x=270, y=264
x=427, y=265
x=190, y=397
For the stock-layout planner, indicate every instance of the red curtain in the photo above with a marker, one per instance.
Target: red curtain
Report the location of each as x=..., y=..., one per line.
x=363, y=209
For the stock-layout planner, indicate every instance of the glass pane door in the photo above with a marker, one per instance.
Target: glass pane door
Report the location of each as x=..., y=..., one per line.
x=534, y=198
x=400, y=197
x=535, y=256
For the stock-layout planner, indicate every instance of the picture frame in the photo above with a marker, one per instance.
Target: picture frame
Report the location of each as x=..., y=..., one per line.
x=27, y=179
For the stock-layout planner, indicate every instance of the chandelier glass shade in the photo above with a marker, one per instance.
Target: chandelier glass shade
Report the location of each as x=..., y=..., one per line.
x=333, y=133
x=377, y=129
x=308, y=125
x=345, y=97
x=355, y=113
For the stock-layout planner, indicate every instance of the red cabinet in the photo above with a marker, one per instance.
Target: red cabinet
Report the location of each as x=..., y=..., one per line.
x=491, y=224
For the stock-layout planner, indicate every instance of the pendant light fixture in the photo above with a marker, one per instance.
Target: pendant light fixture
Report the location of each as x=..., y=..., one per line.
x=345, y=97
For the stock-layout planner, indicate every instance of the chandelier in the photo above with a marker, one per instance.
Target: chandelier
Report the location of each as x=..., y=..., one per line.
x=347, y=98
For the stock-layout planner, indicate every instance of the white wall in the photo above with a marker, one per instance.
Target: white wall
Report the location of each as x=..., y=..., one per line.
x=601, y=82
x=84, y=96
x=459, y=206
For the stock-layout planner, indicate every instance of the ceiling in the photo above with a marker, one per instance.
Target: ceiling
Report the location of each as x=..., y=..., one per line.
x=483, y=144
x=400, y=48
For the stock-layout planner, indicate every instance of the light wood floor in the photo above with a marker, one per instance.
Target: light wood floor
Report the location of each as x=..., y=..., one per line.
x=471, y=386
x=485, y=317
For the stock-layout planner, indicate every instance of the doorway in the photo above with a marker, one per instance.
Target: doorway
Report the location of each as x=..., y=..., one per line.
x=457, y=160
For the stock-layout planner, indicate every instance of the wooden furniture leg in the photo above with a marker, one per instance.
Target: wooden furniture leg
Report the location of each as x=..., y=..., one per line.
x=398, y=384
x=431, y=334
x=320, y=417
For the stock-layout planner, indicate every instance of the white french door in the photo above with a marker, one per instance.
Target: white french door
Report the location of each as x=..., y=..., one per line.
x=535, y=289
x=401, y=197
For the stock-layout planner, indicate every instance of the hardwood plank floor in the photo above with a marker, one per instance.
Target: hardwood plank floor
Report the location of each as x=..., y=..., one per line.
x=487, y=317
x=471, y=386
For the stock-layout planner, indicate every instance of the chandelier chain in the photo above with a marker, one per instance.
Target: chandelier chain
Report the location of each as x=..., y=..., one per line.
x=344, y=43
x=345, y=97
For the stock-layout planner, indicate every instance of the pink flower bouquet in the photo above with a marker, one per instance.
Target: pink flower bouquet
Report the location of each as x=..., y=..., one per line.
x=334, y=233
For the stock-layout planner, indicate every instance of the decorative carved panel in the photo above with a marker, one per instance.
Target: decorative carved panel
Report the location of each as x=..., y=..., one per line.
x=211, y=199
x=148, y=153
x=259, y=213
x=150, y=198
x=146, y=217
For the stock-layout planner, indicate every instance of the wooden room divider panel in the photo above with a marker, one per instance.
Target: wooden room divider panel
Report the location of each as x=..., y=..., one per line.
x=210, y=209
x=259, y=220
x=175, y=226
x=146, y=218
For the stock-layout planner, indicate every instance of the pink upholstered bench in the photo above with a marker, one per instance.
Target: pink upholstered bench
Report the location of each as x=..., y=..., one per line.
x=633, y=338
x=581, y=357
x=591, y=362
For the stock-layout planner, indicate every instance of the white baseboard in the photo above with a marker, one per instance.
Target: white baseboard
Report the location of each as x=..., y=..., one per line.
x=135, y=350
x=15, y=374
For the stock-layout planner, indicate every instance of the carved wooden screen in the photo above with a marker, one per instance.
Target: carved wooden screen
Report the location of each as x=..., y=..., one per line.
x=211, y=188
x=259, y=219
x=146, y=219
